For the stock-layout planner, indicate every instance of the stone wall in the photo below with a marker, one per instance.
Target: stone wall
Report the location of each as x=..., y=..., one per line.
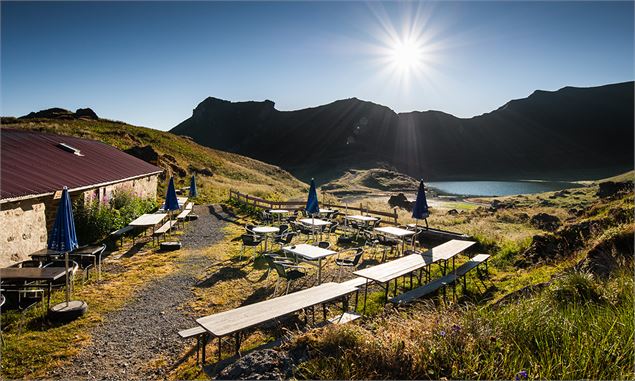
x=25, y=223
x=23, y=230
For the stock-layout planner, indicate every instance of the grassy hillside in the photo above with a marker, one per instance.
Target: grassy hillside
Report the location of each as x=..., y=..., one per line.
x=179, y=155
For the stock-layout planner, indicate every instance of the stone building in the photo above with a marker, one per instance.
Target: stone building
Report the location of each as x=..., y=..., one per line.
x=35, y=168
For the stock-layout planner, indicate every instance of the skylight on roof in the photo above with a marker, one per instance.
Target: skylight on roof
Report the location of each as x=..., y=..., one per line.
x=70, y=149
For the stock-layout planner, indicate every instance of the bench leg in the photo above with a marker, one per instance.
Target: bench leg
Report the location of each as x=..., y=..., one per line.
x=324, y=311
x=238, y=344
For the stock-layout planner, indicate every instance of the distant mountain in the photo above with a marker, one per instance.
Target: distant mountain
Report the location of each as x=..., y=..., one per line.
x=570, y=133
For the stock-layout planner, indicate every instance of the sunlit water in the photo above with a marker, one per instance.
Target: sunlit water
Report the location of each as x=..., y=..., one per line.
x=498, y=188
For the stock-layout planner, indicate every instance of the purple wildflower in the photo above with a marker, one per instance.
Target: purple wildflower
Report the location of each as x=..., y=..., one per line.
x=522, y=375
x=456, y=328
x=442, y=333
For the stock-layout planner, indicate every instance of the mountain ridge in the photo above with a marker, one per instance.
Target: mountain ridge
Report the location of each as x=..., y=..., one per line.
x=570, y=133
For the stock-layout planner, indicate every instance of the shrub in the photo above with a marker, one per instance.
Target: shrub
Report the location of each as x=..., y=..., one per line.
x=94, y=221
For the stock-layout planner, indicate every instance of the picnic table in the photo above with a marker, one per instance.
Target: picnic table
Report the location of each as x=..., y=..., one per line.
x=266, y=231
x=392, y=270
x=94, y=251
x=31, y=274
x=146, y=220
x=310, y=254
x=239, y=319
x=396, y=232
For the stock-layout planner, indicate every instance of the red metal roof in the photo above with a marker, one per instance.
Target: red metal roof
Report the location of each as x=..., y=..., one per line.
x=33, y=164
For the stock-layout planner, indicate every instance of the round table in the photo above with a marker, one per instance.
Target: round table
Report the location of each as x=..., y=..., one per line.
x=266, y=231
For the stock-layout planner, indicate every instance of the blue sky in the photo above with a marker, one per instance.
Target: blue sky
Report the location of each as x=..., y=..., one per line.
x=150, y=63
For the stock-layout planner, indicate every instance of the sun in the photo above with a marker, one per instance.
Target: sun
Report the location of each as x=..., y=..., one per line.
x=406, y=55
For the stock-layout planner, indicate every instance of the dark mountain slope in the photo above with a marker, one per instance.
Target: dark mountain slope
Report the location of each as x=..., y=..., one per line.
x=572, y=132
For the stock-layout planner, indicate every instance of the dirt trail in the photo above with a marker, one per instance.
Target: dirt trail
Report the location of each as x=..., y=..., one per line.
x=146, y=328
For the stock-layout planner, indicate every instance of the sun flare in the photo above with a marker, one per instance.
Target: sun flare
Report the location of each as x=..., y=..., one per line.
x=406, y=55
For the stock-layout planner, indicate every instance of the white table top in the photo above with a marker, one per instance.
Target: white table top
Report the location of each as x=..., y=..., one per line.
x=308, y=251
x=398, y=232
x=148, y=219
x=237, y=319
x=326, y=210
x=266, y=229
x=181, y=200
x=278, y=211
x=361, y=218
x=314, y=221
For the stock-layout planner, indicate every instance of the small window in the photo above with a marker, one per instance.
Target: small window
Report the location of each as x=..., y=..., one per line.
x=70, y=149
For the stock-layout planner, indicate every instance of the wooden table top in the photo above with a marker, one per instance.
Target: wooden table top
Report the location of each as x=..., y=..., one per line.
x=148, y=219
x=361, y=218
x=235, y=320
x=32, y=273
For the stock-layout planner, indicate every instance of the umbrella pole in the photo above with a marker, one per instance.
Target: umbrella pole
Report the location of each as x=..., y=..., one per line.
x=68, y=294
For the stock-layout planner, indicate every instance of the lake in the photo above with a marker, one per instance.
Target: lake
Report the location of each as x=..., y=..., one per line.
x=498, y=188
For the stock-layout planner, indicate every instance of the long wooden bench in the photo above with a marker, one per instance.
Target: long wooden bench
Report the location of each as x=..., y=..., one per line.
x=201, y=337
x=121, y=233
x=436, y=284
x=473, y=263
x=183, y=215
x=424, y=290
x=163, y=229
x=189, y=206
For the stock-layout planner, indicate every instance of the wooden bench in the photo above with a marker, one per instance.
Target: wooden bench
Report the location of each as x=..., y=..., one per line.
x=189, y=206
x=201, y=336
x=474, y=262
x=183, y=215
x=424, y=290
x=163, y=229
x=119, y=234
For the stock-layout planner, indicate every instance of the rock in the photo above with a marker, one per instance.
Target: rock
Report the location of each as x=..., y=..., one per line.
x=146, y=153
x=545, y=221
x=266, y=364
x=497, y=204
x=546, y=203
x=86, y=113
x=201, y=171
x=522, y=217
x=400, y=201
x=452, y=212
x=573, y=211
x=610, y=188
x=607, y=256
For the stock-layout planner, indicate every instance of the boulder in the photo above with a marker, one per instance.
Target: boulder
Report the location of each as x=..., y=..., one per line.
x=453, y=212
x=265, y=364
x=611, y=188
x=400, y=201
x=86, y=113
x=545, y=221
x=146, y=153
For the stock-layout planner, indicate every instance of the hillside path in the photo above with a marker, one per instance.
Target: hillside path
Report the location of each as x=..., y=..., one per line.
x=145, y=329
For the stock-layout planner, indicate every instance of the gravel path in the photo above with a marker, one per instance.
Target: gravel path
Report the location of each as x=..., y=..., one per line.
x=146, y=328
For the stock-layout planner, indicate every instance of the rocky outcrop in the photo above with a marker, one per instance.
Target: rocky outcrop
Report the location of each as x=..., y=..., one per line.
x=545, y=221
x=609, y=255
x=265, y=364
x=62, y=114
x=401, y=201
x=610, y=188
x=167, y=162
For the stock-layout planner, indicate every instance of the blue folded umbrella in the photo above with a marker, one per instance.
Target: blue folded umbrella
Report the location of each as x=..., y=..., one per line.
x=312, y=206
x=420, y=210
x=193, y=190
x=171, y=202
x=63, y=237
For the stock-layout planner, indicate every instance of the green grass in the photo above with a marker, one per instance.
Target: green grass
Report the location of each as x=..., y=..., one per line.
x=546, y=338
